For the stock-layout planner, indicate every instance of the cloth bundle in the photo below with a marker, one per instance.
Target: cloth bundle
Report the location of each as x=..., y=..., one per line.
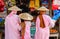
x=56, y=14
x=1, y=5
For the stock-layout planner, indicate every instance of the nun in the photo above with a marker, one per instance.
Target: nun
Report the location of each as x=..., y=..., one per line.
x=12, y=24
x=43, y=24
x=26, y=25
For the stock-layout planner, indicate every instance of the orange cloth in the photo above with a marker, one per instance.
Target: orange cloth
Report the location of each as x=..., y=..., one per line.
x=22, y=37
x=31, y=5
x=37, y=4
x=42, y=25
x=23, y=29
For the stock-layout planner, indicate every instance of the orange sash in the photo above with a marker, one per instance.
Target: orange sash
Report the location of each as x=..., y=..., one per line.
x=23, y=29
x=42, y=25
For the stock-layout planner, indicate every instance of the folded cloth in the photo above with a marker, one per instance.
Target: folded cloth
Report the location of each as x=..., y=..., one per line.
x=56, y=15
x=1, y=19
x=1, y=5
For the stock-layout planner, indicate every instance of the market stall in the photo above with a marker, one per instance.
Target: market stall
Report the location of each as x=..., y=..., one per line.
x=47, y=4
x=3, y=14
x=54, y=32
x=32, y=7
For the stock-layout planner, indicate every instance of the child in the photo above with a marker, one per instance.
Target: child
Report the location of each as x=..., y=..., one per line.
x=26, y=25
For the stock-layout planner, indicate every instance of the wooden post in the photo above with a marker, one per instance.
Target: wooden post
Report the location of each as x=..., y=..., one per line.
x=50, y=7
x=1, y=35
x=59, y=27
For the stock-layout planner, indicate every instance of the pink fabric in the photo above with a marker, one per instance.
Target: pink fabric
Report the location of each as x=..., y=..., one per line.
x=43, y=33
x=27, y=30
x=12, y=27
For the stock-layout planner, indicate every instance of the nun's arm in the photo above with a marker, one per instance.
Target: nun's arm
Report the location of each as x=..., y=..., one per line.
x=51, y=22
x=19, y=24
x=37, y=23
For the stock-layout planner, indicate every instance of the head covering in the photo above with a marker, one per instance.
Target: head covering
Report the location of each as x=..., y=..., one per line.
x=15, y=8
x=43, y=9
x=26, y=16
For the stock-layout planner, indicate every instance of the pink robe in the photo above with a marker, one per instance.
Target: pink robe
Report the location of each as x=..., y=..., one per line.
x=27, y=30
x=12, y=27
x=43, y=33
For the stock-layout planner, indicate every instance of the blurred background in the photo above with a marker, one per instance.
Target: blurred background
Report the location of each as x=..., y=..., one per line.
x=31, y=7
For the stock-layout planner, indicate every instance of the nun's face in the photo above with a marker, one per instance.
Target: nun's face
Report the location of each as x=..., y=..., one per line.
x=14, y=11
x=42, y=12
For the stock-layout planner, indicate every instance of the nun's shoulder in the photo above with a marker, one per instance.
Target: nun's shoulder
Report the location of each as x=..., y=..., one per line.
x=47, y=16
x=7, y=18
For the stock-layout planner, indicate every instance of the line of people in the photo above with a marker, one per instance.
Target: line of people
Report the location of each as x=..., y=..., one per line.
x=13, y=24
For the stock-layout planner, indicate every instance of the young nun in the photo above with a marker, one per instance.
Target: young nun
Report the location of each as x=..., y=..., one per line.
x=12, y=24
x=43, y=24
x=26, y=25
